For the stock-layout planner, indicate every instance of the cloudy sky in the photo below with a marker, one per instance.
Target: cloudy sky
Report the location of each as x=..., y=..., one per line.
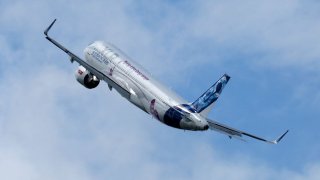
x=53, y=128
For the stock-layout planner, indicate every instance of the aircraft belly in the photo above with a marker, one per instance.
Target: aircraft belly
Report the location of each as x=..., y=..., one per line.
x=136, y=96
x=148, y=103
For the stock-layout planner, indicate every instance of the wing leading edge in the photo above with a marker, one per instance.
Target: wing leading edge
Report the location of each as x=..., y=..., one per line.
x=231, y=132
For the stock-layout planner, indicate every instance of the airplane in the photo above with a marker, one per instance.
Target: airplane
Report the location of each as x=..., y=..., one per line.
x=105, y=62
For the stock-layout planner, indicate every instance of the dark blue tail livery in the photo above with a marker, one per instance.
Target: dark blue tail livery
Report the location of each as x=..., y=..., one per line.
x=211, y=95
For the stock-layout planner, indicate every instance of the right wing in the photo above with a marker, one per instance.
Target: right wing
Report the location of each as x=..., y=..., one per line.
x=90, y=68
x=231, y=132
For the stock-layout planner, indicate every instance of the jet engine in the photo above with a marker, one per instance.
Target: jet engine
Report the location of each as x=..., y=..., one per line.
x=85, y=78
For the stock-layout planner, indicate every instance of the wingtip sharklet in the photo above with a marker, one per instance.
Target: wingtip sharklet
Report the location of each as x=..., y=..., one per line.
x=279, y=139
x=46, y=31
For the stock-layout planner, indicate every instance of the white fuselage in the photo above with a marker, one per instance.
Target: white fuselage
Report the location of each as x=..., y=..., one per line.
x=144, y=92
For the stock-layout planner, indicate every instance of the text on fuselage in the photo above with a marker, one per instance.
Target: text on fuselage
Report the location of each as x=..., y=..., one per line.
x=136, y=70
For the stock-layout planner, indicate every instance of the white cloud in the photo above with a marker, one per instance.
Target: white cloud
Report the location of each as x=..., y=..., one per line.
x=282, y=33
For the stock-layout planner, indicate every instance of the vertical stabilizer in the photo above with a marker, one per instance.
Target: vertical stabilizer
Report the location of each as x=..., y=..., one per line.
x=205, y=102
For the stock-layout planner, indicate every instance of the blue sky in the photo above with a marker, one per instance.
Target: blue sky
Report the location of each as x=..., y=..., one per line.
x=53, y=128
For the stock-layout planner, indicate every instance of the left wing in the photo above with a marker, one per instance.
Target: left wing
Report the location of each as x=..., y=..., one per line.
x=90, y=68
x=231, y=132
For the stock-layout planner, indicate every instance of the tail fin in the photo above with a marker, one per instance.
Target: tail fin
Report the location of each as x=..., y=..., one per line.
x=202, y=104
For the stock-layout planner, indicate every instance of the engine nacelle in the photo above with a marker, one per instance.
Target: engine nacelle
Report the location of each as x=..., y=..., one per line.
x=85, y=78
